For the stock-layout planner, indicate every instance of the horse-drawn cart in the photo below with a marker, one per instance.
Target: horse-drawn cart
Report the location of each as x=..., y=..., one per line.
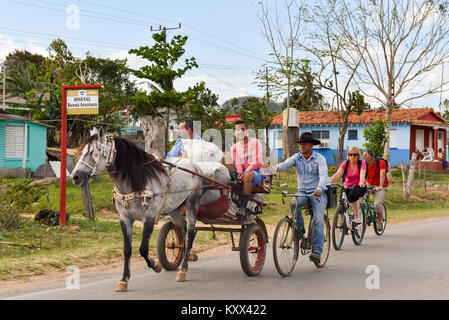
x=220, y=216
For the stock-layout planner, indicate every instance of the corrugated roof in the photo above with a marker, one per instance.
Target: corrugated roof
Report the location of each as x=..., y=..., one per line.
x=6, y=116
x=367, y=117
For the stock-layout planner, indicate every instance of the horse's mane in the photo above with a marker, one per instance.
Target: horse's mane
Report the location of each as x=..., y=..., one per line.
x=134, y=165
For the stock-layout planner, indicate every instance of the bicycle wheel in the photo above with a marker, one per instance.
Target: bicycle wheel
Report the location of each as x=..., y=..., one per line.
x=285, y=247
x=326, y=243
x=382, y=225
x=338, y=227
x=358, y=231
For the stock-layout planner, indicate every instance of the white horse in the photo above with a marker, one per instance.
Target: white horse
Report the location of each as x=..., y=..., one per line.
x=144, y=189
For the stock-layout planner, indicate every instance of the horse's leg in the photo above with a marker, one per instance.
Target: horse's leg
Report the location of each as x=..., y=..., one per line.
x=192, y=206
x=127, y=231
x=179, y=221
x=148, y=226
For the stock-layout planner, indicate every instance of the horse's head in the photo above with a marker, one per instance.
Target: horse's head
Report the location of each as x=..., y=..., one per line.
x=97, y=153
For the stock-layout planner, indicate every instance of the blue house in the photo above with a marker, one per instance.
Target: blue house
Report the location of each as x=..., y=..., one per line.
x=22, y=142
x=412, y=130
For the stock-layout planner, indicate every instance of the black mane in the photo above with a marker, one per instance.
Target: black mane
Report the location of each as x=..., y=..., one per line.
x=134, y=165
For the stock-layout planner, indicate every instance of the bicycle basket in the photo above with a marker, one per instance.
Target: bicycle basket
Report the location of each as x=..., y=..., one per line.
x=332, y=199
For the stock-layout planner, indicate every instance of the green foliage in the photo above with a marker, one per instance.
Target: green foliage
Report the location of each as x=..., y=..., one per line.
x=356, y=102
x=203, y=106
x=19, y=195
x=375, y=137
x=255, y=113
x=305, y=94
x=160, y=71
x=38, y=80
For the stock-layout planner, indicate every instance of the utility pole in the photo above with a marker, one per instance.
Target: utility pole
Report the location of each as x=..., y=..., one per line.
x=268, y=106
x=167, y=108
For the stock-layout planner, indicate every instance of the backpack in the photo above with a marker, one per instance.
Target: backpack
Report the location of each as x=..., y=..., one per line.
x=359, y=164
x=386, y=162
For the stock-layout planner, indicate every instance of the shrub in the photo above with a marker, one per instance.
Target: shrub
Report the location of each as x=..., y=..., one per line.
x=17, y=197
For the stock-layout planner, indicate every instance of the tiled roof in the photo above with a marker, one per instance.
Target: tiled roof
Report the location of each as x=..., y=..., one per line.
x=331, y=117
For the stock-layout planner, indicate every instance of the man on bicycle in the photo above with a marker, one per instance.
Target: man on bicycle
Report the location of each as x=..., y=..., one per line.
x=311, y=172
x=376, y=176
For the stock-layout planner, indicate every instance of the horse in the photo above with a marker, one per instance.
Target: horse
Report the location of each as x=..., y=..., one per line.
x=144, y=189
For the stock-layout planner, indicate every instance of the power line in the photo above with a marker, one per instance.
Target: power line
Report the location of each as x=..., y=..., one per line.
x=152, y=17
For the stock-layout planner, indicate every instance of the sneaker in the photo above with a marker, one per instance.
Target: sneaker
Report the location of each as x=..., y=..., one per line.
x=315, y=257
x=356, y=220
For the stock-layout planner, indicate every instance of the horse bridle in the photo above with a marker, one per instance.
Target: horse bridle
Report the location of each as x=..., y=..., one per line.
x=107, y=149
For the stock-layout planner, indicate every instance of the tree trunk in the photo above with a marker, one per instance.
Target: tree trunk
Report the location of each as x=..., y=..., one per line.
x=411, y=175
x=154, y=131
x=87, y=202
x=341, y=139
x=387, y=136
x=267, y=143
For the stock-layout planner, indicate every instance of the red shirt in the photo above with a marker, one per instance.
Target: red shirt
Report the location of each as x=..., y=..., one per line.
x=373, y=176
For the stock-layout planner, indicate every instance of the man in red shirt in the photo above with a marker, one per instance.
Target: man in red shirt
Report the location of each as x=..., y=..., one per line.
x=376, y=176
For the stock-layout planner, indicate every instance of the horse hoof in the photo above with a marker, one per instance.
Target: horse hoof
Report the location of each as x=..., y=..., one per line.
x=180, y=276
x=158, y=267
x=121, y=287
x=193, y=257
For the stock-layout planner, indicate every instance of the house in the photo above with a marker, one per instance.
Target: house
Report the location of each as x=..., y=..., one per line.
x=412, y=130
x=22, y=142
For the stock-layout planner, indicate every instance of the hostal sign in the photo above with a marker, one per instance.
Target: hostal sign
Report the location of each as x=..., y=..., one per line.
x=82, y=101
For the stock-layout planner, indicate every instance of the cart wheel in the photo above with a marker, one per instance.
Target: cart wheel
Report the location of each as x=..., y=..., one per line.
x=170, y=246
x=252, y=249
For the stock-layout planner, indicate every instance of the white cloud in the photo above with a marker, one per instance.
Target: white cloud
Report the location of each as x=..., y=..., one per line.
x=9, y=44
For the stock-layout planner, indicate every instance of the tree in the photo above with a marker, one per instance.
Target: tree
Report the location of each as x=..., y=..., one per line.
x=39, y=82
x=160, y=72
x=375, y=137
x=284, y=63
x=202, y=106
x=305, y=94
x=334, y=74
x=255, y=113
x=399, y=44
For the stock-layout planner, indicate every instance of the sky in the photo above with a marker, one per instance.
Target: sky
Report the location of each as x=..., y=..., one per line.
x=225, y=36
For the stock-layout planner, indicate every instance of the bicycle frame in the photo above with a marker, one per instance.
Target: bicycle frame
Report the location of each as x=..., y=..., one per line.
x=307, y=210
x=368, y=207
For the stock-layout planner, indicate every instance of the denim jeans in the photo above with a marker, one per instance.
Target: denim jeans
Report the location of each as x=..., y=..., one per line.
x=318, y=218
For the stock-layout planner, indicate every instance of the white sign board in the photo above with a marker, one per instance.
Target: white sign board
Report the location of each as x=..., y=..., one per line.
x=82, y=101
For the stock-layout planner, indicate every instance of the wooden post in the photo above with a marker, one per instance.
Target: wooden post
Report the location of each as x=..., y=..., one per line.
x=425, y=180
x=404, y=186
x=411, y=175
x=87, y=202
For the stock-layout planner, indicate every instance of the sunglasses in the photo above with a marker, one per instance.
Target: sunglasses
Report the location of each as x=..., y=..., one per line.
x=352, y=154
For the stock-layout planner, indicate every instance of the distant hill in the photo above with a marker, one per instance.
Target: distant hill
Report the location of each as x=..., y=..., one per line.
x=273, y=106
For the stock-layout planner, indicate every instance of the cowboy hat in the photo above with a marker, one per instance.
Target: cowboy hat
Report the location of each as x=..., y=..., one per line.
x=307, y=137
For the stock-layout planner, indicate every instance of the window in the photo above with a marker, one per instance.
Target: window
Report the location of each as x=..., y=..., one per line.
x=352, y=134
x=321, y=134
x=278, y=139
x=14, y=141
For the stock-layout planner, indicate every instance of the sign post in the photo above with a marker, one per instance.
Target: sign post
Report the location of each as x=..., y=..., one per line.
x=75, y=100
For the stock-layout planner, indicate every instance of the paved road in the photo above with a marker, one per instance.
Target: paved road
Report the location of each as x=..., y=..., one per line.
x=413, y=260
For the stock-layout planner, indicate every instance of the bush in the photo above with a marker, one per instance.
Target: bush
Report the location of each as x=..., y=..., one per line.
x=17, y=197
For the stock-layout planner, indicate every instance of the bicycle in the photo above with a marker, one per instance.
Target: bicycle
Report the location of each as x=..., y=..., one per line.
x=370, y=215
x=343, y=222
x=289, y=238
